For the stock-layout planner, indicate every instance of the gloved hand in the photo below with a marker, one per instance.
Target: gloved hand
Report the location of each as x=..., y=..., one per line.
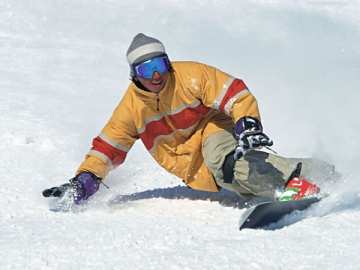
x=82, y=186
x=249, y=133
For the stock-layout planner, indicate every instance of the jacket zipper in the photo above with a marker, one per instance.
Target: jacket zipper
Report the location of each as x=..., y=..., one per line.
x=157, y=101
x=165, y=115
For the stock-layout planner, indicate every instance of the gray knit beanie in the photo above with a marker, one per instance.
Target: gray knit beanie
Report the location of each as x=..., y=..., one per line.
x=143, y=48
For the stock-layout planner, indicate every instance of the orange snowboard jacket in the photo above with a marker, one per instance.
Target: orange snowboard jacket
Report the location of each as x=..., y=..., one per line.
x=170, y=123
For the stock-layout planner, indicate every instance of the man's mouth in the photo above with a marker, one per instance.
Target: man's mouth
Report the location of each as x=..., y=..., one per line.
x=157, y=82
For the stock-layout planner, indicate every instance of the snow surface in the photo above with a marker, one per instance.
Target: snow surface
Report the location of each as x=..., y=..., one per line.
x=63, y=71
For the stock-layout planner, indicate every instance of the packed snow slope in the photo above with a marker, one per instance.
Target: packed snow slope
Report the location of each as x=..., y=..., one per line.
x=63, y=71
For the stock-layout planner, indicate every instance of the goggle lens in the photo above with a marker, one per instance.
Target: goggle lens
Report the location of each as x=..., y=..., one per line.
x=146, y=69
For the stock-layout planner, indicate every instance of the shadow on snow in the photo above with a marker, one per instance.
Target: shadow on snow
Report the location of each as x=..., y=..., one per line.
x=224, y=197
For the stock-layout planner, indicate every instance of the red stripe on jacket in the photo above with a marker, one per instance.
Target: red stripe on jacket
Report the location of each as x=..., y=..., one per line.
x=183, y=120
x=235, y=87
x=189, y=116
x=115, y=155
x=153, y=130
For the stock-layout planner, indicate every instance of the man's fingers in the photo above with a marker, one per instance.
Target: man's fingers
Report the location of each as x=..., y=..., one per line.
x=262, y=140
x=55, y=191
x=51, y=192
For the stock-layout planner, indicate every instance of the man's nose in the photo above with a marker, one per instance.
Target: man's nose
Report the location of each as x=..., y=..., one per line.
x=156, y=75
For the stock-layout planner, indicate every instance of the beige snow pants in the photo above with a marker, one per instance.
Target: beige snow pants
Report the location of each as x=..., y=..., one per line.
x=257, y=173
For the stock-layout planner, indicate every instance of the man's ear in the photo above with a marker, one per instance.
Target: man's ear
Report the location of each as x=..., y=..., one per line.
x=136, y=79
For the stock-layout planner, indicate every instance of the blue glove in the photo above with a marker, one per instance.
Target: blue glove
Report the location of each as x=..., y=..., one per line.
x=249, y=133
x=82, y=186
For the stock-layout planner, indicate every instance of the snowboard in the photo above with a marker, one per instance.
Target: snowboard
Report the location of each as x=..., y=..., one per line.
x=264, y=214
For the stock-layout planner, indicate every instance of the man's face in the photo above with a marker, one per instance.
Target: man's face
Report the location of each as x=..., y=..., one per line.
x=156, y=83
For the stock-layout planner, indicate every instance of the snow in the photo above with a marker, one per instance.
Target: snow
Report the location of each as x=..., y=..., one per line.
x=63, y=70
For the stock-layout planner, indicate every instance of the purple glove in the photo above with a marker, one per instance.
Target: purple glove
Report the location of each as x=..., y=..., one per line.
x=249, y=133
x=85, y=184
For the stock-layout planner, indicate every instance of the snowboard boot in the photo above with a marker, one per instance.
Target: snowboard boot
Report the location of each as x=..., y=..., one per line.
x=297, y=188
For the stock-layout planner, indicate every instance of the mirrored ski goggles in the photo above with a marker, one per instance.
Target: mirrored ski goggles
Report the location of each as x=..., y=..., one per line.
x=146, y=69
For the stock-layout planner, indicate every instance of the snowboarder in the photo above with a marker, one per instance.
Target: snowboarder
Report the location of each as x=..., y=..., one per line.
x=198, y=123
